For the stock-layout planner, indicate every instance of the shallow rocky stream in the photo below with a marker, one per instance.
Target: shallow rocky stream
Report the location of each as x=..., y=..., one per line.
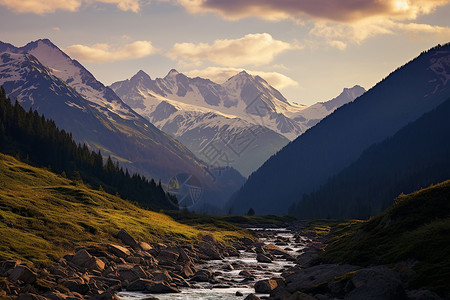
x=235, y=277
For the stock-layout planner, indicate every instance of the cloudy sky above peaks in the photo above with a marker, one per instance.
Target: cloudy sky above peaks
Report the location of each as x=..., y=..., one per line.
x=310, y=50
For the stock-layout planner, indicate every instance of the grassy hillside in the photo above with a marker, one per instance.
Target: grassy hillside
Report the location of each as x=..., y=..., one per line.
x=416, y=228
x=43, y=216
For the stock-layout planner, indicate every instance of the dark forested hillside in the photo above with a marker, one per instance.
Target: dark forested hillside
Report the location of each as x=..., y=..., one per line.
x=340, y=139
x=38, y=141
x=415, y=157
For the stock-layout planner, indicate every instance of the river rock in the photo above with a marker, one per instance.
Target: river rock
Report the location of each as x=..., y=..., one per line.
x=22, y=273
x=76, y=285
x=166, y=257
x=252, y=297
x=161, y=287
x=262, y=258
x=139, y=284
x=202, y=275
x=265, y=286
x=377, y=282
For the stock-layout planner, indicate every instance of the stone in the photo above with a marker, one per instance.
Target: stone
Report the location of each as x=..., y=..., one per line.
x=228, y=267
x=309, y=277
x=144, y=246
x=246, y=274
x=265, y=286
x=300, y=296
x=203, y=275
x=7, y=266
x=22, y=273
x=209, y=251
x=377, y=282
x=29, y=296
x=76, y=285
x=81, y=258
x=119, y=251
x=127, y=239
x=161, y=287
x=167, y=257
x=138, y=284
x=162, y=276
x=238, y=294
x=106, y=295
x=55, y=295
x=262, y=258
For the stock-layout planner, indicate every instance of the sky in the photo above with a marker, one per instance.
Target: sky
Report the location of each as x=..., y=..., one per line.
x=309, y=50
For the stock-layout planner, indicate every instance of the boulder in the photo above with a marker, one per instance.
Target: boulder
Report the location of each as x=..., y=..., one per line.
x=203, y=275
x=7, y=266
x=377, y=282
x=28, y=296
x=161, y=287
x=252, y=297
x=22, y=273
x=127, y=239
x=265, y=286
x=262, y=258
x=162, y=276
x=106, y=295
x=166, y=257
x=306, y=278
x=139, y=284
x=209, y=251
x=144, y=246
x=81, y=258
x=119, y=251
x=76, y=285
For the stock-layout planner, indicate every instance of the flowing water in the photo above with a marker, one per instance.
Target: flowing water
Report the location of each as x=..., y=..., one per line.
x=229, y=281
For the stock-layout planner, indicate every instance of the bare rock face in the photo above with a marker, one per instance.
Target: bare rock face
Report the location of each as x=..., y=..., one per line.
x=22, y=273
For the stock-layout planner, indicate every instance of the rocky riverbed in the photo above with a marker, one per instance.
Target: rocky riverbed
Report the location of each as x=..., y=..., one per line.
x=280, y=264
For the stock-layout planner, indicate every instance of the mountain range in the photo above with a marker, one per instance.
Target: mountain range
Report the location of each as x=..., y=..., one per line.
x=341, y=138
x=244, y=121
x=41, y=76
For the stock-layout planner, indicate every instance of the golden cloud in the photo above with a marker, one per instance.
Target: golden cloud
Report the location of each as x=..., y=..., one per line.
x=101, y=53
x=220, y=75
x=252, y=49
x=329, y=10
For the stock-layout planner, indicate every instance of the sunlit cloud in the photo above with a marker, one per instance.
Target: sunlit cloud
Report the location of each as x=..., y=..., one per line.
x=220, y=75
x=252, y=49
x=42, y=7
x=329, y=10
x=336, y=23
x=101, y=53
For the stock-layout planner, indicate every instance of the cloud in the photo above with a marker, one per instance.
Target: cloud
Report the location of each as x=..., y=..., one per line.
x=101, y=53
x=220, y=75
x=329, y=10
x=42, y=7
x=335, y=23
x=252, y=49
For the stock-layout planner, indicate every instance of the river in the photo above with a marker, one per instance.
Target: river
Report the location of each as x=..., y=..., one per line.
x=228, y=280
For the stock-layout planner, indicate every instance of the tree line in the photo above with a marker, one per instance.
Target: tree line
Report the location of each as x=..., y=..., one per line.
x=36, y=140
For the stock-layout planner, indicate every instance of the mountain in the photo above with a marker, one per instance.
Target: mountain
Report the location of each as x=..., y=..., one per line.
x=416, y=156
x=41, y=76
x=205, y=116
x=340, y=138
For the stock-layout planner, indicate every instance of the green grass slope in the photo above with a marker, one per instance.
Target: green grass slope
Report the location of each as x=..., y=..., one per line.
x=44, y=216
x=416, y=228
